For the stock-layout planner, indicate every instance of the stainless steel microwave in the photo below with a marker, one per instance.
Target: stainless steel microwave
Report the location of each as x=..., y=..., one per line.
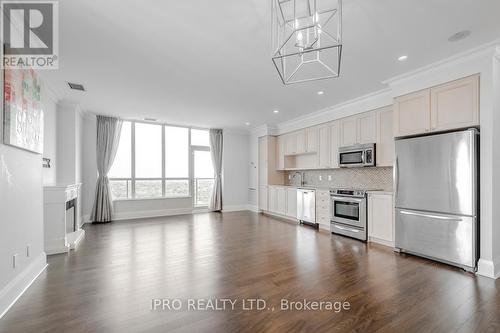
x=357, y=156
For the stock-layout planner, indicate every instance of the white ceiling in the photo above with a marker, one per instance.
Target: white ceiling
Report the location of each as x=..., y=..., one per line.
x=207, y=63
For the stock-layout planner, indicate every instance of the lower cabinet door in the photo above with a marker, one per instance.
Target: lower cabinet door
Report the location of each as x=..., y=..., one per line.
x=380, y=219
x=263, y=198
x=291, y=202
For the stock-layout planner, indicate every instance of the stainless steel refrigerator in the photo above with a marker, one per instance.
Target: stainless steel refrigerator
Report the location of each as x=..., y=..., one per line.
x=435, y=180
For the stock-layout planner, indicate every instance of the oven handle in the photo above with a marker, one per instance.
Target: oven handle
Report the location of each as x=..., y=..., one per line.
x=348, y=199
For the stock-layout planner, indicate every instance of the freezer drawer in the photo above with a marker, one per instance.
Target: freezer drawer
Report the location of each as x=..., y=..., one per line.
x=448, y=238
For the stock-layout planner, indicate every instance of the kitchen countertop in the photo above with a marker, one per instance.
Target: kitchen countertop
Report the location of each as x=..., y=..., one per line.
x=328, y=188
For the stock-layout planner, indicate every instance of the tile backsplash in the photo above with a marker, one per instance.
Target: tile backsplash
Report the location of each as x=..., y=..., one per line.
x=379, y=178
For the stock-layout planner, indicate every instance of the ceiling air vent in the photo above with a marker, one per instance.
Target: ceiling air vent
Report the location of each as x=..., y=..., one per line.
x=76, y=86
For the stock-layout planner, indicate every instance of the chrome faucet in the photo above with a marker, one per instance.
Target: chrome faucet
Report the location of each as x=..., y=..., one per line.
x=301, y=173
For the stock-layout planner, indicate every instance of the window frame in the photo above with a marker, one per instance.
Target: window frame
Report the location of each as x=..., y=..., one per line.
x=190, y=179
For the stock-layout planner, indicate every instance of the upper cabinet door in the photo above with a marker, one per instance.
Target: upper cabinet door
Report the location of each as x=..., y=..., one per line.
x=367, y=128
x=291, y=144
x=385, y=137
x=312, y=140
x=301, y=142
x=262, y=170
x=455, y=104
x=412, y=113
x=280, y=151
x=324, y=147
x=348, y=131
x=334, y=144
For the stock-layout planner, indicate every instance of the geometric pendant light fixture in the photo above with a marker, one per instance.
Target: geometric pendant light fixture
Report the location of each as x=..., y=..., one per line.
x=306, y=39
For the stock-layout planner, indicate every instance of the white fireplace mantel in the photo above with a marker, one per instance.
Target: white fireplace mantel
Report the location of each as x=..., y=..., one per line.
x=61, y=233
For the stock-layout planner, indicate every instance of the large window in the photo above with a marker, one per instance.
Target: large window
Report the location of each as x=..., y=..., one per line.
x=155, y=161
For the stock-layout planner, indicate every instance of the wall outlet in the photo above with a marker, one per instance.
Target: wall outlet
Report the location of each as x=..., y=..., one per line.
x=320, y=177
x=330, y=178
x=15, y=259
x=28, y=250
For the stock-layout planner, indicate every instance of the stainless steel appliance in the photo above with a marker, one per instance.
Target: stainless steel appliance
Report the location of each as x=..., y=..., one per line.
x=348, y=209
x=306, y=206
x=357, y=156
x=435, y=180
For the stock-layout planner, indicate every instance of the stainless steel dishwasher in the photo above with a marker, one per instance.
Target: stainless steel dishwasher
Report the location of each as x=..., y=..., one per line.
x=306, y=206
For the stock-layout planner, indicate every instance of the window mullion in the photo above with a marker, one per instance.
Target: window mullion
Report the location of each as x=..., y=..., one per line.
x=133, y=159
x=163, y=160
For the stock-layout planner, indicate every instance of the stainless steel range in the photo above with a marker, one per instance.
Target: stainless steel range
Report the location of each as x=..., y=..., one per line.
x=348, y=209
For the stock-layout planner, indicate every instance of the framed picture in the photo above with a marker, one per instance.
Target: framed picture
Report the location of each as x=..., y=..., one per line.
x=23, y=110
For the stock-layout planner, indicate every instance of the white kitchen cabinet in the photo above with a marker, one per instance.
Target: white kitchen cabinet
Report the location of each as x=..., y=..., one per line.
x=281, y=200
x=455, y=104
x=280, y=152
x=452, y=105
x=291, y=202
x=272, y=199
x=381, y=218
x=301, y=142
x=291, y=144
x=385, y=137
x=323, y=208
x=263, y=195
x=312, y=140
x=412, y=113
x=348, y=131
x=367, y=128
x=334, y=144
x=324, y=160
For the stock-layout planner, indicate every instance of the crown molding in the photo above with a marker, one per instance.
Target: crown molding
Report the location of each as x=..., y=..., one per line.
x=371, y=101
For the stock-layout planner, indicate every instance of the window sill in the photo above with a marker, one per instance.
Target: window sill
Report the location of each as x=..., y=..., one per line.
x=148, y=199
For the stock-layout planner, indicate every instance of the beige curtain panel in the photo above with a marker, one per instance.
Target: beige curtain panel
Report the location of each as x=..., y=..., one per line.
x=108, y=137
x=215, y=203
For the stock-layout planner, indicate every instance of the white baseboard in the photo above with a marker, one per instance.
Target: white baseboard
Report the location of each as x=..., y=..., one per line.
x=253, y=208
x=235, y=208
x=488, y=269
x=15, y=288
x=380, y=241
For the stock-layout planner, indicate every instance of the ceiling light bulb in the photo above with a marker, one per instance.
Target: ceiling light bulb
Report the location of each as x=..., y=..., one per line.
x=321, y=92
x=403, y=58
x=247, y=123
x=299, y=36
x=276, y=111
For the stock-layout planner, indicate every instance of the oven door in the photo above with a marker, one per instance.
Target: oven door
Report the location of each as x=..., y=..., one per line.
x=349, y=211
x=352, y=158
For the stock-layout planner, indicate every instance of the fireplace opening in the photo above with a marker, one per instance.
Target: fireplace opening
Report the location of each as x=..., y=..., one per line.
x=71, y=216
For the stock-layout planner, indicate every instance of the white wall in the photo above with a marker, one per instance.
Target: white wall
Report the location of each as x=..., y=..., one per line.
x=50, y=138
x=235, y=163
x=21, y=209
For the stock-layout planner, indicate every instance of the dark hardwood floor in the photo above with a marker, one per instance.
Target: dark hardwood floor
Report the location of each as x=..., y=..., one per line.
x=108, y=284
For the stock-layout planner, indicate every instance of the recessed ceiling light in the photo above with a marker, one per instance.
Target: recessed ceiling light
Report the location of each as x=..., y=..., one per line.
x=247, y=123
x=276, y=111
x=403, y=58
x=459, y=36
x=321, y=92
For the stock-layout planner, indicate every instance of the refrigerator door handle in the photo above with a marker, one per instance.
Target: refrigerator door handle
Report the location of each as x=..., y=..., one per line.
x=432, y=216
